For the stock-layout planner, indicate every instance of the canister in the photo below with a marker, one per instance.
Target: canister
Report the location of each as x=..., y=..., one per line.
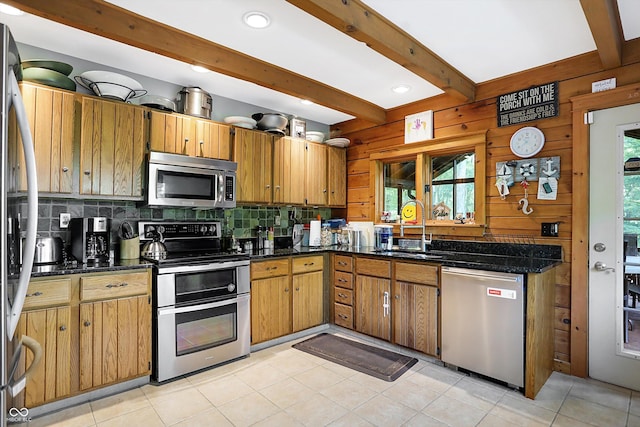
x=383, y=237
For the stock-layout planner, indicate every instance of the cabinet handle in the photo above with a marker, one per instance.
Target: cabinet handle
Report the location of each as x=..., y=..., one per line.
x=277, y=187
x=297, y=289
x=110, y=285
x=341, y=295
x=342, y=263
x=271, y=268
x=307, y=264
x=87, y=172
x=65, y=169
x=63, y=328
x=342, y=280
x=385, y=304
x=268, y=186
x=343, y=316
x=397, y=296
x=184, y=148
x=87, y=323
x=286, y=289
x=35, y=294
x=324, y=191
x=201, y=149
x=123, y=284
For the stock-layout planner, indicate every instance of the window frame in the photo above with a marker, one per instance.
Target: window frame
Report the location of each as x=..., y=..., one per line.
x=422, y=152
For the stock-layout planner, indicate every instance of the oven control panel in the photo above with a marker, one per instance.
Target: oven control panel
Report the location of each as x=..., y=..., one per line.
x=179, y=230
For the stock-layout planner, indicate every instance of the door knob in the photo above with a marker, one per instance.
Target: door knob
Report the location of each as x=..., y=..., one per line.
x=601, y=266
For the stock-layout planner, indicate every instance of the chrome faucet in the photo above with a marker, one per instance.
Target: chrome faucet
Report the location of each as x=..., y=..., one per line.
x=423, y=241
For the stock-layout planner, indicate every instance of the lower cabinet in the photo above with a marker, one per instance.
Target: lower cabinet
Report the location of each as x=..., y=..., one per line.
x=94, y=330
x=373, y=297
x=286, y=296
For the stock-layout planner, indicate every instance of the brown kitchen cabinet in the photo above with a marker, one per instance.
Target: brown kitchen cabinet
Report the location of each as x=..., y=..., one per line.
x=336, y=176
x=316, y=191
x=373, y=297
x=47, y=319
x=182, y=134
x=52, y=115
x=343, y=295
x=112, y=145
x=253, y=151
x=415, y=306
x=115, y=328
x=288, y=171
x=308, y=291
x=270, y=299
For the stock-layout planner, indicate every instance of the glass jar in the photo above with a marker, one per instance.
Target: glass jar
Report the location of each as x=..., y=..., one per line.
x=325, y=234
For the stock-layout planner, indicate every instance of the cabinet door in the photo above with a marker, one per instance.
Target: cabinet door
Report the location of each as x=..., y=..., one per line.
x=372, y=318
x=115, y=340
x=415, y=317
x=112, y=145
x=316, y=174
x=213, y=140
x=51, y=115
x=288, y=170
x=308, y=308
x=337, y=176
x=253, y=151
x=52, y=378
x=270, y=308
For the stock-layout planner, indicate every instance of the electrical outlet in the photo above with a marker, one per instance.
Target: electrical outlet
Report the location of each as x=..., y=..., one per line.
x=276, y=220
x=550, y=229
x=64, y=220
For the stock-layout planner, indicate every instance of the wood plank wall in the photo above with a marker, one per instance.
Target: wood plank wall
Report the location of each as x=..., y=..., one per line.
x=575, y=76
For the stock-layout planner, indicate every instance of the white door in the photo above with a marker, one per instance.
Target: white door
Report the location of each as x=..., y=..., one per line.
x=615, y=137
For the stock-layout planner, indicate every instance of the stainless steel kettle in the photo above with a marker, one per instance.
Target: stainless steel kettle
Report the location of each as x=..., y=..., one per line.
x=155, y=249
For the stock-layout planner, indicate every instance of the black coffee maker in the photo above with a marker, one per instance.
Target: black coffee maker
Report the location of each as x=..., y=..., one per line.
x=90, y=239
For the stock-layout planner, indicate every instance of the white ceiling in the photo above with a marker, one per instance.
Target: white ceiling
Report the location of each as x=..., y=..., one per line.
x=484, y=40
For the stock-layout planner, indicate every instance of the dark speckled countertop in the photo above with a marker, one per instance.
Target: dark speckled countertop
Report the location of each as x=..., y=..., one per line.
x=75, y=268
x=501, y=257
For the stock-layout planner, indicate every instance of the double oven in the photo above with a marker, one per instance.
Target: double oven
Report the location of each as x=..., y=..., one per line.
x=201, y=300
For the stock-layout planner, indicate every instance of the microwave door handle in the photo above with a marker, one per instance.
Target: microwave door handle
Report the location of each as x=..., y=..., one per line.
x=221, y=188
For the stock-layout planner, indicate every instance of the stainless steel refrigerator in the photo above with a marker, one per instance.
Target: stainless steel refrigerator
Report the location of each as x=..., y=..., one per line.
x=18, y=226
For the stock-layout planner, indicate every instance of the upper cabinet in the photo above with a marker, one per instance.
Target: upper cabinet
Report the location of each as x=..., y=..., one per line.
x=253, y=151
x=52, y=116
x=112, y=146
x=337, y=176
x=181, y=134
x=288, y=168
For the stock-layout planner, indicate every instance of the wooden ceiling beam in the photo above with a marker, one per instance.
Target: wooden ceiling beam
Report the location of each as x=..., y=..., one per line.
x=604, y=21
x=362, y=23
x=112, y=22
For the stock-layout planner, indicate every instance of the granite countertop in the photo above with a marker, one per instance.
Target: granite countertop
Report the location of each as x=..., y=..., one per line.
x=78, y=268
x=511, y=260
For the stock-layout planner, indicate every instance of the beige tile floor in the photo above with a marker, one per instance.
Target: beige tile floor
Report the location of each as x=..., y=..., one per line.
x=281, y=386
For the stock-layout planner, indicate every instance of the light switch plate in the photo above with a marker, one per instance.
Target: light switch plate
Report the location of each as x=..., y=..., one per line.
x=64, y=220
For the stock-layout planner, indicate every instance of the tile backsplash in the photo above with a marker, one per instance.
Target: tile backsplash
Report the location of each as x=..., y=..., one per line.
x=240, y=221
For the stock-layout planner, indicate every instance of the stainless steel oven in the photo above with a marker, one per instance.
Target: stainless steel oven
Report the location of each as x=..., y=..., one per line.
x=201, y=298
x=202, y=316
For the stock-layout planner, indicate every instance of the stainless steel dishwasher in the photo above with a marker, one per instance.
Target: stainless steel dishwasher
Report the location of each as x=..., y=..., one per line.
x=483, y=322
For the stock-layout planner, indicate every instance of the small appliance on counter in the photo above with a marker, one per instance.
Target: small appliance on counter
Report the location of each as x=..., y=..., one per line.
x=194, y=101
x=90, y=239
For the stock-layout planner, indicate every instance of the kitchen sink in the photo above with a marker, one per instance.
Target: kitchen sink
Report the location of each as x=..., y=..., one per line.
x=404, y=253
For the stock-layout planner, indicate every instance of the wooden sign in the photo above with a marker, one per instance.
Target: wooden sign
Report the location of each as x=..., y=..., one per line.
x=526, y=105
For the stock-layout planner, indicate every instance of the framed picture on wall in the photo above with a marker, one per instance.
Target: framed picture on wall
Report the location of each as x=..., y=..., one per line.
x=418, y=127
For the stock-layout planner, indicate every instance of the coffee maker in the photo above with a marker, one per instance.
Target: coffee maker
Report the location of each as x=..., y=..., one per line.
x=90, y=239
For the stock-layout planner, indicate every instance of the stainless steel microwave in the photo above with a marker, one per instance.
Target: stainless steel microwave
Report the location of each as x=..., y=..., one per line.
x=184, y=181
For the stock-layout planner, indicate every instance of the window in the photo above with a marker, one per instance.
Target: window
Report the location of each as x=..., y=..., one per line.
x=452, y=186
x=447, y=172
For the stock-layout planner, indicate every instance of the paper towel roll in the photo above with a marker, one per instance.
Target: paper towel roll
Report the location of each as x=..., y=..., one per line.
x=314, y=233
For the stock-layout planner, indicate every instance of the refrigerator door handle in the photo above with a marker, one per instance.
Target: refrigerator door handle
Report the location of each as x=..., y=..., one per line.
x=15, y=99
x=15, y=386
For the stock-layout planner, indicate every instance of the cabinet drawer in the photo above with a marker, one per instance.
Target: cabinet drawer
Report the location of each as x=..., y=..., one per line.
x=343, y=296
x=373, y=267
x=48, y=293
x=343, y=315
x=307, y=263
x=272, y=268
x=343, y=263
x=113, y=286
x=342, y=279
x=417, y=273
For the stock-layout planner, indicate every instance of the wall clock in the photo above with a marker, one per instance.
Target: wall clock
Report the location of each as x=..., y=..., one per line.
x=527, y=142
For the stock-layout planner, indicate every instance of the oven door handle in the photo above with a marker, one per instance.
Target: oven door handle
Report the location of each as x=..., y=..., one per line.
x=212, y=266
x=191, y=308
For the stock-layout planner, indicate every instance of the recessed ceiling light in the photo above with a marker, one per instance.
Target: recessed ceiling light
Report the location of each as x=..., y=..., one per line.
x=401, y=89
x=10, y=10
x=199, y=69
x=256, y=19
x=306, y=102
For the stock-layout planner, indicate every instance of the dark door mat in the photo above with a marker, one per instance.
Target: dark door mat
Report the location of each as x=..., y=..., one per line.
x=377, y=362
